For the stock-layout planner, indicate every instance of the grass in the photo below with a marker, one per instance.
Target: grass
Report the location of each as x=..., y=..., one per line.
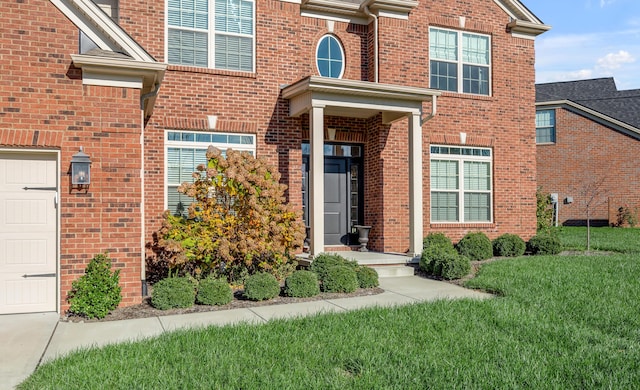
x=559, y=322
x=625, y=240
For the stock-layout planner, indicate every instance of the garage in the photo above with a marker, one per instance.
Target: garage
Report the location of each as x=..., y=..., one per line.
x=28, y=231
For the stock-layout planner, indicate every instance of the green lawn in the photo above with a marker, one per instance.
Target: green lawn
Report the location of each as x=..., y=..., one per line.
x=625, y=240
x=559, y=322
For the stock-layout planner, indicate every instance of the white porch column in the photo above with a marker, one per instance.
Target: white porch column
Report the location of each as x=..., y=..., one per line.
x=415, y=185
x=316, y=179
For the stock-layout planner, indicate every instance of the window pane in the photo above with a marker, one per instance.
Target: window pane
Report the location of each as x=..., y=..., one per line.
x=545, y=126
x=188, y=48
x=444, y=76
x=443, y=44
x=234, y=53
x=475, y=49
x=444, y=206
x=475, y=79
x=329, y=57
x=477, y=176
x=477, y=207
x=444, y=175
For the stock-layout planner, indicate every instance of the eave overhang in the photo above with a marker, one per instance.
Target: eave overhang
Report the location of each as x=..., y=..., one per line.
x=123, y=72
x=594, y=115
x=390, y=8
x=525, y=28
x=354, y=98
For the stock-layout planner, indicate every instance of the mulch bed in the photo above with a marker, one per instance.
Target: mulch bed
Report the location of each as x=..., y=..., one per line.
x=145, y=310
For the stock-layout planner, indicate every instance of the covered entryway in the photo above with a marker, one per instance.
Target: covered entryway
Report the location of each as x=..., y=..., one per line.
x=322, y=96
x=28, y=226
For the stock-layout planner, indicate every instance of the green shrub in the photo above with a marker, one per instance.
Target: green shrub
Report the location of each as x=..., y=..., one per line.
x=173, y=293
x=509, y=245
x=454, y=266
x=97, y=292
x=545, y=244
x=475, y=246
x=367, y=277
x=324, y=261
x=436, y=239
x=261, y=286
x=213, y=291
x=429, y=261
x=340, y=279
x=301, y=284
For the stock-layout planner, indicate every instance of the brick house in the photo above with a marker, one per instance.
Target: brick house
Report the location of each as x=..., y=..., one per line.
x=588, y=135
x=408, y=116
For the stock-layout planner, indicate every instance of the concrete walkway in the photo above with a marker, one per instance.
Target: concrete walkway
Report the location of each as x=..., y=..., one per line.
x=28, y=340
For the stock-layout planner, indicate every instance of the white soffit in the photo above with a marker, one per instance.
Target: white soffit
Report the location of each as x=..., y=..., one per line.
x=102, y=30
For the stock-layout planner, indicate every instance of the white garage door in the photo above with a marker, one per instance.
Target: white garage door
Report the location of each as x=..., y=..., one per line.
x=27, y=232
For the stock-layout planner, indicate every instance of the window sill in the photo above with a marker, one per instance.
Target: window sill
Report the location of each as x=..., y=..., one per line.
x=221, y=72
x=544, y=143
x=458, y=225
x=466, y=95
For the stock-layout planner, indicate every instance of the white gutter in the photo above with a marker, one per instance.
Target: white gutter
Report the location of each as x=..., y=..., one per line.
x=375, y=41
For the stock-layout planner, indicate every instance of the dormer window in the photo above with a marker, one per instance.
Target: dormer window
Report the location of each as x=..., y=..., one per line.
x=330, y=57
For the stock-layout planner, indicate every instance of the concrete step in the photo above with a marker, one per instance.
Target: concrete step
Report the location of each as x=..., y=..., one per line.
x=393, y=271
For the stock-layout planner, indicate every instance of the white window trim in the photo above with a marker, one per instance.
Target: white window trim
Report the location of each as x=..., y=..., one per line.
x=460, y=63
x=461, y=191
x=199, y=145
x=553, y=127
x=211, y=33
x=344, y=60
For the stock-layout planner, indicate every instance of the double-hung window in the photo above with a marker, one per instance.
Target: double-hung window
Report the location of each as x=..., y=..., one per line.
x=185, y=150
x=461, y=184
x=460, y=61
x=545, y=126
x=216, y=34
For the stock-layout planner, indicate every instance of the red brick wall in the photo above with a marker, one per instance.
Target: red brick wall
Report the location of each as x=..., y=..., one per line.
x=43, y=104
x=286, y=42
x=587, y=153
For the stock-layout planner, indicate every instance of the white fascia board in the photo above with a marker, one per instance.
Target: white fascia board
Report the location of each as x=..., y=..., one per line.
x=91, y=77
x=334, y=17
x=102, y=30
x=592, y=114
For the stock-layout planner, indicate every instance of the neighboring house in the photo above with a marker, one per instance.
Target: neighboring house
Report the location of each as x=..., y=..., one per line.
x=408, y=116
x=588, y=136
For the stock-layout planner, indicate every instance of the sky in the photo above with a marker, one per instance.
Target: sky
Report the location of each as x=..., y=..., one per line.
x=589, y=39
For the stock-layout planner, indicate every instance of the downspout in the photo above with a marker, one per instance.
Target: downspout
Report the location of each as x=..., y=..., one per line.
x=434, y=110
x=143, y=263
x=375, y=41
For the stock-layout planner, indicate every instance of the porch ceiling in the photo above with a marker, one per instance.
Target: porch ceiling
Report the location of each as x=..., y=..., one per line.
x=356, y=99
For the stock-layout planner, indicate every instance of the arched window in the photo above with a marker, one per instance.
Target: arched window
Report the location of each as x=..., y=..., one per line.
x=330, y=57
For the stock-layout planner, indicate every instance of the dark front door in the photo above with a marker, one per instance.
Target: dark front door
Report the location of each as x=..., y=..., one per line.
x=335, y=201
x=342, y=191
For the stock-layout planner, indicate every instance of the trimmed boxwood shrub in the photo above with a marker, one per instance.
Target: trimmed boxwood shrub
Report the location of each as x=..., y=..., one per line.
x=212, y=291
x=545, y=244
x=340, y=279
x=324, y=261
x=436, y=239
x=367, y=277
x=172, y=293
x=301, y=284
x=509, y=245
x=453, y=266
x=97, y=292
x=429, y=260
x=475, y=246
x=261, y=286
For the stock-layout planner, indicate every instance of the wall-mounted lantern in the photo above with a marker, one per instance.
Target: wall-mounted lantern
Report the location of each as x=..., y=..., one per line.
x=80, y=170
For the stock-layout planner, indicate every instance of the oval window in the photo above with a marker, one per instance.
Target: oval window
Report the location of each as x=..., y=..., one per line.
x=330, y=57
